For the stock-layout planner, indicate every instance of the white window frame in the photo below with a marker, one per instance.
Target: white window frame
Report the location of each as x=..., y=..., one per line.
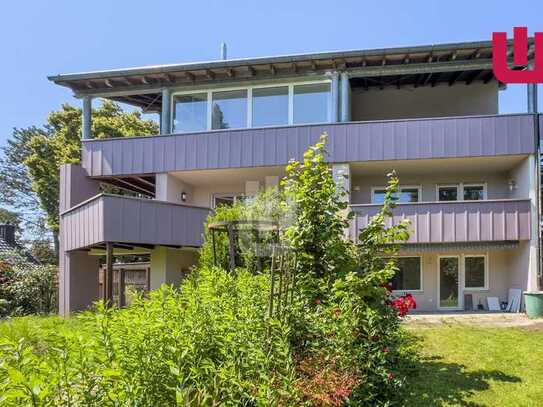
x=235, y=195
x=486, y=273
x=400, y=187
x=460, y=282
x=421, y=289
x=249, y=88
x=460, y=189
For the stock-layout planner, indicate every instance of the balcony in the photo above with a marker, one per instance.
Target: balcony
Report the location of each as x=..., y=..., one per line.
x=459, y=221
x=128, y=221
x=472, y=136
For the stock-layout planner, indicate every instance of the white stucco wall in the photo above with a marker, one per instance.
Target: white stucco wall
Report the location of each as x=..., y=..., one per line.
x=439, y=101
x=506, y=269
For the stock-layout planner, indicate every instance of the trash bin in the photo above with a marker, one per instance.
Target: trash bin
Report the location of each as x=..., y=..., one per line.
x=534, y=303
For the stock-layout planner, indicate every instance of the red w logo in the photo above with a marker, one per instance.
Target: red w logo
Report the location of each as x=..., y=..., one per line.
x=520, y=57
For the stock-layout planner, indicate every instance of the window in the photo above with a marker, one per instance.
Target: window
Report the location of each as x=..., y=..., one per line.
x=475, y=272
x=190, y=113
x=227, y=199
x=466, y=192
x=406, y=194
x=409, y=276
x=447, y=193
x=312, y=103
x=229, y=109
x=270, y=106
x=474, y=192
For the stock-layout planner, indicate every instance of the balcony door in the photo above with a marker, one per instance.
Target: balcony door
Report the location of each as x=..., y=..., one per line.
x=448, y=283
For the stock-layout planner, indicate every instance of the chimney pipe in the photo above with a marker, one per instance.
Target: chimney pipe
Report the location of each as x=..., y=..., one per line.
x=7, y=233
x=223, y=51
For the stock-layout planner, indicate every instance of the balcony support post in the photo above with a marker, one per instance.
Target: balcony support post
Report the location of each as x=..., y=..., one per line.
x=532, y=97
x=109, y=275
x=334, y=99
x=86, y=129
x=165, y=115
x=345, y=94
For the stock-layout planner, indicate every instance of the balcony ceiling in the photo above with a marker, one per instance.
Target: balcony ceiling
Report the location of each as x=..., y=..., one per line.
x=427, y=65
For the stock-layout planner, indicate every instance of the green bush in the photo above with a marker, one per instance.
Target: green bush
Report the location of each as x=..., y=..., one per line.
x=26, y=288
x=205, y=344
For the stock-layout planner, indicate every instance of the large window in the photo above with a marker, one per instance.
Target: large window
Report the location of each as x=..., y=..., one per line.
x=229, y=109
x=270, y=106
x=190, y=113
x=311, y=103
x=227, y=199
x=409, y=276
x=466, y=192
x=406, y=194
x=252, y=106
x=475, y=272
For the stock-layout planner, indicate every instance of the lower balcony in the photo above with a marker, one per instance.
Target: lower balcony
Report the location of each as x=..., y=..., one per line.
x=130, y=222
x=456, y=222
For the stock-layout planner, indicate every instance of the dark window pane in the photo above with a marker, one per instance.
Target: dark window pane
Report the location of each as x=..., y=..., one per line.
x=475, y=272
x=473, y=193
x=270, y=106
x=409, y=195
x=311, y=103
x=448, y=193
x=229, y=109
x=408, y=275
x=190, y=113
x=379, y=196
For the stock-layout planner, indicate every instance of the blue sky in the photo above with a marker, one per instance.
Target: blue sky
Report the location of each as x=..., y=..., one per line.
x=40, y=38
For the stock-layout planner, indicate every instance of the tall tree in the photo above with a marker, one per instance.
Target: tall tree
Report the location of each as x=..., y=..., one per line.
x=29, y=175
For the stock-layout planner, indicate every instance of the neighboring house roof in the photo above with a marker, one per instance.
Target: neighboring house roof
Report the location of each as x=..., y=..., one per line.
x=8, y=246
x=448, y=63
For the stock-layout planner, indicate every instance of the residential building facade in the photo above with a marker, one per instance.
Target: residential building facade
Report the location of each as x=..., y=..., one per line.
x=469, y=176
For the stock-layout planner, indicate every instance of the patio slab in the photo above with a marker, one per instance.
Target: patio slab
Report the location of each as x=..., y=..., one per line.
x=483, y=319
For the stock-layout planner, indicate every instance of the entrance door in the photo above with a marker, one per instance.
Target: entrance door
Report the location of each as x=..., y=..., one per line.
x=449, y=282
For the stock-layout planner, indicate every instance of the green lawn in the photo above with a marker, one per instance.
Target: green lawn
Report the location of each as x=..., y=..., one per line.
x=470, y=366
x=461, y=366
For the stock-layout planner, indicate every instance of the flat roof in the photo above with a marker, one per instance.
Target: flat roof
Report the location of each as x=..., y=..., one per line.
x=417, y=65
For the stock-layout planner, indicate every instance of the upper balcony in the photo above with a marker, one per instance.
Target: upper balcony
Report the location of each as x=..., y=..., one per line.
x=451, y=137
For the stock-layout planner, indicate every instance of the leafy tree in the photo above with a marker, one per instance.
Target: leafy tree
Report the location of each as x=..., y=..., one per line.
x=29, y=175
x=11, y=218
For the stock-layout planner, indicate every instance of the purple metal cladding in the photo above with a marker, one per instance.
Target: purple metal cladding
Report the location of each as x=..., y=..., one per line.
x=475, y=136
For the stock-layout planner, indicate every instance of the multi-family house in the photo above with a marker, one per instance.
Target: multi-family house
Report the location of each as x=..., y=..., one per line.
x=469, y=175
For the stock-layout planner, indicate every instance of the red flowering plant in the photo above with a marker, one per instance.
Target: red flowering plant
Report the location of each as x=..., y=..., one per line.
x=403, y=304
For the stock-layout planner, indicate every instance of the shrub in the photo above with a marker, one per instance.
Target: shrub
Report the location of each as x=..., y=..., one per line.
x=204, y=344
x=26, y=288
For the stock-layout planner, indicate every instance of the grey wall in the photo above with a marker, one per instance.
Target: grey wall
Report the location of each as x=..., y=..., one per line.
x=439, y=101
x=349, y=142
x=110, y=218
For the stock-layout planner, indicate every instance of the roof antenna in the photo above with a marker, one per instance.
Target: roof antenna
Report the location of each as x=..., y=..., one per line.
x=223, y=50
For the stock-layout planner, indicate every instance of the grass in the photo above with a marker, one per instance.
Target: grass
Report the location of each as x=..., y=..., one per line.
x=471, y=366
x=461, y=365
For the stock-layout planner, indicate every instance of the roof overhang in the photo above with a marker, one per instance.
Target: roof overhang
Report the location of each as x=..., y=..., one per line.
x=466, y=62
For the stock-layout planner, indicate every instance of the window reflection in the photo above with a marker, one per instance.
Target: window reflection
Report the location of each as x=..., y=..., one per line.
x=190, y=113
x=270, y=106
x=311, y=103
x=229, y=109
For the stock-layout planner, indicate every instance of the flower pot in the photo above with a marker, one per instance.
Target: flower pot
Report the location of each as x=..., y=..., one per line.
x=534, y=303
